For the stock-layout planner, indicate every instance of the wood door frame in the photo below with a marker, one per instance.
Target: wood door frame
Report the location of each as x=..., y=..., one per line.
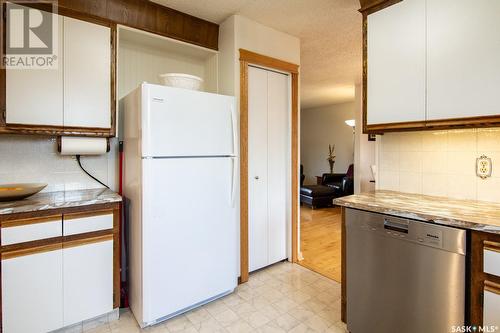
x=247, y=58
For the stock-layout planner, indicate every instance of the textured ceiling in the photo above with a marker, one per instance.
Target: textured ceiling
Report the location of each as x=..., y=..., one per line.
x=329, y=32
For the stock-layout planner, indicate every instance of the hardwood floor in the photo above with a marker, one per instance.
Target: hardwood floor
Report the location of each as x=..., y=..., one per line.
x=320, y=236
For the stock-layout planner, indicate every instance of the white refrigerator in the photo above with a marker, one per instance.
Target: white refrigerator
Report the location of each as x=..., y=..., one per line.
x=180, y=188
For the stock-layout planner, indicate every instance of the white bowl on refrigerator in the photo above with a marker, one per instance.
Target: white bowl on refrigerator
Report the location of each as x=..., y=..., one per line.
x=180, y=80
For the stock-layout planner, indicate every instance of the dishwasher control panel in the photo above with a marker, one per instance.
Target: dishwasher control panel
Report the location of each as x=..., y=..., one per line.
x=419, y=232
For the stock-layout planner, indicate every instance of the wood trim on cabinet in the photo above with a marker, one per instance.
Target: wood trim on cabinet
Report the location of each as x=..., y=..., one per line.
x=56, y=240
x=113, y=83
x=53, y=130
x=56, y=211
x=79, y=215
x=492, y=246
x=492, y=287
x=87, y=240
x=246, y=58
x=30, y=220
x=364, y=91
x=372, y=6
x=31, y=250
x=31, y=244
x=394, y=127
x=483, y=121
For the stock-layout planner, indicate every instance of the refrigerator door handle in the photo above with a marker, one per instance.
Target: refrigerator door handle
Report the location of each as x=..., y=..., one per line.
x=233, y=181
x=235, y=130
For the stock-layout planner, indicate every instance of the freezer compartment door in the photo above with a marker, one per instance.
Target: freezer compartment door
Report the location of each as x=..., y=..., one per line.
x=181, y=122
x=189, y=233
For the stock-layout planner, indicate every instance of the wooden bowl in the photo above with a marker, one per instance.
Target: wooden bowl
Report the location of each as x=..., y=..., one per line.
x=10, y=192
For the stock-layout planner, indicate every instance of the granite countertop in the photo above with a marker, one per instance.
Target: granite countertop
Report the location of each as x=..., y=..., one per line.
x=61, y=199
x=466, y=214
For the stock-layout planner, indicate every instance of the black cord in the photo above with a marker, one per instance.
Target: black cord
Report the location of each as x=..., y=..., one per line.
x=88, y=174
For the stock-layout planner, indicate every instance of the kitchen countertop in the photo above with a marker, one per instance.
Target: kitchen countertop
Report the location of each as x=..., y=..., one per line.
x=62, y=199
x=466, y=214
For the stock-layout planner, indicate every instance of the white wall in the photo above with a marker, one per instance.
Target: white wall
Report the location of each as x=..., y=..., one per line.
x=238, y=32
x=441, y=163
x=323, y=126
x=33, y=159
x=139, y=63
x=364, y=156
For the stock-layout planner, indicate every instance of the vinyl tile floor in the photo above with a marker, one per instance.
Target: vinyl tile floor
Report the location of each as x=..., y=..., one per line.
x=281, y=298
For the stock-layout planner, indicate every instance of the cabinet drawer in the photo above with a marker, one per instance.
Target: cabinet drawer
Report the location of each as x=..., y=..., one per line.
x=491, y=306
x=491, y=255
x=87, y=222
x=31, y=229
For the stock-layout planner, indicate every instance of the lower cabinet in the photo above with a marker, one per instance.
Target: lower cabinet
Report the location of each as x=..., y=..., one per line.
x=58, y=271
x=491, y=304
x=88, y=280
x=485, y=280
x=32, y=291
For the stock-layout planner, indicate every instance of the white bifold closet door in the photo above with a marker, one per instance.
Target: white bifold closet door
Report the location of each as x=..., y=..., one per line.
x=268, y=162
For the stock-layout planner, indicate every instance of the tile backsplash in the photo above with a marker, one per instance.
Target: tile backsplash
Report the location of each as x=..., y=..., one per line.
x=441, y=163
x=30, y=159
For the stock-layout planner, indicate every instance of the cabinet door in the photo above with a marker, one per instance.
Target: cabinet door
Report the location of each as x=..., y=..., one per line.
x=87, y=74
x=32, y=292
x=258, y=232
x=491, y=306
x=278, y=166
x=396, y=64
x=463, y=67
x=88, y=280
x=35, y=96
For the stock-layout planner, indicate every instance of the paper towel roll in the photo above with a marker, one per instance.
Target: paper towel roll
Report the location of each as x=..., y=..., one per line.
x=71, y=145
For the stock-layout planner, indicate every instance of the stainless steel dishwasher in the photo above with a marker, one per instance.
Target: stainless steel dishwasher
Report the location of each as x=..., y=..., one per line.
x=403, y=275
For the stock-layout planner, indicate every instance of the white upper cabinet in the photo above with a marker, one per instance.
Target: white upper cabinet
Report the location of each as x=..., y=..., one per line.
x=35, y=96
x=463, y=69
x=77, y=94
x=87, y=74
x=396, y=63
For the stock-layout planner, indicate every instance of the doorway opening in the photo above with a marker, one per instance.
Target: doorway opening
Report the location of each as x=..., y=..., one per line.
x=327, y=172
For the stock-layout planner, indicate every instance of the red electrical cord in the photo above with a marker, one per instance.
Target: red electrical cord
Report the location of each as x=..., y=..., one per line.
x=124, y=291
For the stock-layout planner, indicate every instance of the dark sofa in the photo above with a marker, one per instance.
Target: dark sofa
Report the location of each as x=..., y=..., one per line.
x=333, y=185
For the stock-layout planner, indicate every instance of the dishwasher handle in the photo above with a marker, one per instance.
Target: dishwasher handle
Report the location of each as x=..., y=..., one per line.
x=398, y=225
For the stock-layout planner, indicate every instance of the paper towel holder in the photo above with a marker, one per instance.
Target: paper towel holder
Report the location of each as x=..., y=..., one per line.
x=59, y=144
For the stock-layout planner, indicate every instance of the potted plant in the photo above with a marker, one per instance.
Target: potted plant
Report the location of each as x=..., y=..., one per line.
x=331, y=157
